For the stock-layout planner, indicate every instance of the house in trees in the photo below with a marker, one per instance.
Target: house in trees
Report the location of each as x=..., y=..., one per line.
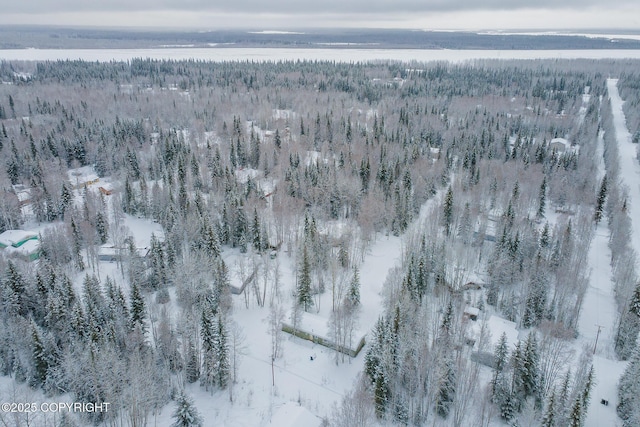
x=16, y=238
x=82, y=177
x=106, y=188
x=110, y=253
x=20, y=244
x=23, y=194
x=562, y=145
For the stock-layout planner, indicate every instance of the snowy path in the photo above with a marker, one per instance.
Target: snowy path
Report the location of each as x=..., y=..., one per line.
x=629, y=166
x=599, y=311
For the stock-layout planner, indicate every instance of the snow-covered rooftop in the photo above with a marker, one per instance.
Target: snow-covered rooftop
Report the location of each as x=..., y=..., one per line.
x=16, y=237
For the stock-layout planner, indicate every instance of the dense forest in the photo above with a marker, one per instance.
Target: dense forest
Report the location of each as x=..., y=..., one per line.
x=488, y=171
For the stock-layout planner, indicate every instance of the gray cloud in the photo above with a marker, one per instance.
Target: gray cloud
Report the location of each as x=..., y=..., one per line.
x=297, y=6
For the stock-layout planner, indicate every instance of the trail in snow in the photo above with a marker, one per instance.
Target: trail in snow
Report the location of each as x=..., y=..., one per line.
x=629, y=166
x=597, y=322
x=598, y=318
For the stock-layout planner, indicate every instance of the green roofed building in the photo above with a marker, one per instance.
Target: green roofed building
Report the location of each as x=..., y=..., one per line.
x=20, y=243
x=16, y=238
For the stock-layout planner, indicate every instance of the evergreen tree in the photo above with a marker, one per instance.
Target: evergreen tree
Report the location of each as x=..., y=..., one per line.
x=39, y=357
x=499, y=362
x=629, y=393
x=588, y=386
x=634, y=305
x=602, y=197
x=137, y=310
x=542, y=198
x=531, y=380
x=354, y=289
x=577, y=413
x=186, y=414
x=210, y=240
x=448, y=211
x=221, y=353
x=221, y=288
x=256, y=231
x=192, y=362
x=277, y=140
x=446, y=389
x=549, y=417
x=303, y=291
x=208, y=376
x=102, y=228
x=13, y=293
x=240, y=231
x=65, y=200
x=518, y=393
x=465, y=227
x=158, y=274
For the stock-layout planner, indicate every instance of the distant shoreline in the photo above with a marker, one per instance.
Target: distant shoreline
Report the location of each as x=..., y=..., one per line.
x=274, y=54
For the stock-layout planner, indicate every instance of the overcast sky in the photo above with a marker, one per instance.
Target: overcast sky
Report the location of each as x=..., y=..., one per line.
x=283, y=14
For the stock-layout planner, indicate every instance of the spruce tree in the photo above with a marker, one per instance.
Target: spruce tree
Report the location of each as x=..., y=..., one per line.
x=446, y=389
x=577, y=414
x=221, y=353
x=210, y=240
x=192, y=363
x=186, y=414
x=629, y=393
x=448, y=211
x=602, y=197
x=39, y=357
x=137, y=311
x=208, y=375
x=549, y=417
x=256, y=232
x=634, y=305
x=14, y=291
x=531, y=370
x=354, y=289
x=542, y=198
x=102, y=228
x=588, y=387
x=499, y=362
x=303, y=291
